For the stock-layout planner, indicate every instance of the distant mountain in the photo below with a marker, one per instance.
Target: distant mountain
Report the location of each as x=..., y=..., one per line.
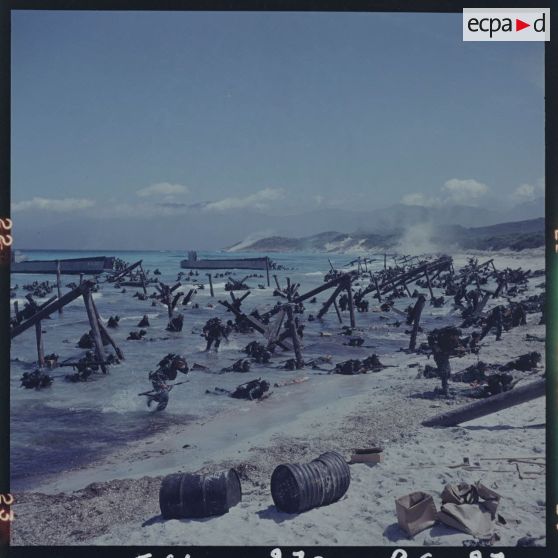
x=517, y=235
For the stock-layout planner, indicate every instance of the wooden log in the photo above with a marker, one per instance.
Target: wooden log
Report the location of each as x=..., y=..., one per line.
x=428, y=283
x=48, y=310
x=417, y=311
x=289, y=293
x=351, y=301
x=244, y=296
x=377, y=289
x=254, y=322
x=142, y=279
x=105, y=332
x=294, y=336
x=211, y=285
x=58, y=283
x=125, y=271
x=95, y=329
x=277, y=283
x=337, y=311
x=490, y=405
x=267, y=270
x=320, y=289
x=275, y=328
x=330, y=301
x=49, y=301
x=40, y=347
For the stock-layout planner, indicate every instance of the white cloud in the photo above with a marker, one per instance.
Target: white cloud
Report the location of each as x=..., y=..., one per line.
x=464, y=192
x=258, y=200
x=528, y=192
x=50, y=204
x=453, y=192
x=165, y=189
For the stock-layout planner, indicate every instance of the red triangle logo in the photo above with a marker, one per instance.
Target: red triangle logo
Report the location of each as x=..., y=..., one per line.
x=519, y=25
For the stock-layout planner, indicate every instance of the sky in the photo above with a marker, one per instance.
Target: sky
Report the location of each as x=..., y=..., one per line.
x=131, y=121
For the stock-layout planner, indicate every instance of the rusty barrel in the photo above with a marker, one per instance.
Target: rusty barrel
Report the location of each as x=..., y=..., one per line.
x=189, y=495
x=300, y=487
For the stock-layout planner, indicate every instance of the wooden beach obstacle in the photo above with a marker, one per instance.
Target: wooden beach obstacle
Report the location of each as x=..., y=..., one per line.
x=490, y=405
x=53, y=305
x=342, y=282
x=138, y=279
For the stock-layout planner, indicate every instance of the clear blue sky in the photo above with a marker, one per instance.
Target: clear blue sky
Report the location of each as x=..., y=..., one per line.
x=272, y=111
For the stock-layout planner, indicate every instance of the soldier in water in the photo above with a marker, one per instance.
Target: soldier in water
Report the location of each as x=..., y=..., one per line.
x=214, y=331
x=167, y=370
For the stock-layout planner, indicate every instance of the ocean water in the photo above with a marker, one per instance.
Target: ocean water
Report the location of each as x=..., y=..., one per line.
x=70, y=425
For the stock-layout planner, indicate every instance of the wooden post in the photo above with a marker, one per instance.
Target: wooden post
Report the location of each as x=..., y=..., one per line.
x=489, y=405
x=294, y=336
x=385, y=260
x=337, y=311
x=267, y=270
x=277, y=282
x=16, y=310
x=407, y=289
x=417, y=311
x=80, y=278
x=40, y=347
x=289, y=295
x=428, y=282
x=330, y=300
x=58, y=284
x=351, y=302
x=95, y=329
x=211, y=285
x=378, y=289
x=142, y=277
x=105, y=332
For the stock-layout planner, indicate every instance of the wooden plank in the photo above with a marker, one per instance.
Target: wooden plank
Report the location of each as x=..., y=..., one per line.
x=490, y=405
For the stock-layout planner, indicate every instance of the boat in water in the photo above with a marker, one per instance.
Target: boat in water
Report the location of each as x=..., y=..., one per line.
x=226, y=263
x=73, y=266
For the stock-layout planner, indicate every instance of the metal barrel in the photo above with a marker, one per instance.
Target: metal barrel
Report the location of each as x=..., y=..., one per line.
x=301, y=487
x=189, y=495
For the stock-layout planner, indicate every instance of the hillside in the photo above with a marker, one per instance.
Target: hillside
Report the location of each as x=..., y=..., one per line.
x=518, y=235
